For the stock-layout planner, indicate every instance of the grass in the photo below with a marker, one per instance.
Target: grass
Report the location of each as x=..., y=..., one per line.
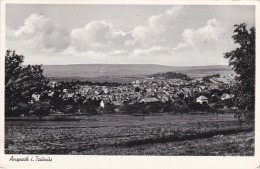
x=240, y=144
x=126, y=135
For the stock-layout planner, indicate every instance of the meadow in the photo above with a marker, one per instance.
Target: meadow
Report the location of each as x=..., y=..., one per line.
x=193, y=134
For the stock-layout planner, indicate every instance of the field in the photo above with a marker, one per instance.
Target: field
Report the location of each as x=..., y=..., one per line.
x=193, y=134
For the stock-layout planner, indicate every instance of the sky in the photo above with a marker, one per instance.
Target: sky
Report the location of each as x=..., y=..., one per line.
x=173, y=35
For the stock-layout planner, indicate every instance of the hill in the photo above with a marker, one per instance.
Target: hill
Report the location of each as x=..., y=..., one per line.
x=170, y=75
x=98, y=70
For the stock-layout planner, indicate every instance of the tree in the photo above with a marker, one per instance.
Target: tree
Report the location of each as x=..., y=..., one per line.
x=109, y=109
x=155, y=107
x=243, y=61
x=168, y=107
x=90, y=106
x=20, y=82
x=40, y=109
x=137, y=89
x=137, y=108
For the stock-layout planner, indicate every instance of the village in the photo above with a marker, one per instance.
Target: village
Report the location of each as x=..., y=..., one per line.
x=72, y=97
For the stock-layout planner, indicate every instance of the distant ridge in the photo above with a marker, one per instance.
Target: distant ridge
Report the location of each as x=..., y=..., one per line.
x=142, y=65
x=100, y=70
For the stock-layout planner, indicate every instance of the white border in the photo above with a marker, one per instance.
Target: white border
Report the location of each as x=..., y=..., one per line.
x=136, y=162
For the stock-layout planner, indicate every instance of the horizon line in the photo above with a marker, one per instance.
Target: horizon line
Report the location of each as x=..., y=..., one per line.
x=131, y=64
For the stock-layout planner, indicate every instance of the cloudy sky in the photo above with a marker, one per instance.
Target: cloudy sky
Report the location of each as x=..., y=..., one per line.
x=124, y=34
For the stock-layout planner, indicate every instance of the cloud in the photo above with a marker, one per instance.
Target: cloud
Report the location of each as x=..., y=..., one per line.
x=180, y=46
x=121, y=52
x=39, y=33
x=157, y=28
x=98, y=35
x=163, y=39
x=149, y=51
x=95, y=35
x=206, y=34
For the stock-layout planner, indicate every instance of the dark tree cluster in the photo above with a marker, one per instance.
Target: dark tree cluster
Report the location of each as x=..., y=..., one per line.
x=207, y=78
x=78, y=82
x=155, y=107
x=20, y=83
x=171, y=75
x=243, y=61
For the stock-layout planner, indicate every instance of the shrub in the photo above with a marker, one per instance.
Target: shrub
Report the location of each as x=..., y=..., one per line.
x=198, y=107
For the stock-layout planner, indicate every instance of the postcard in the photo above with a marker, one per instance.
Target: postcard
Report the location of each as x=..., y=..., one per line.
x=113, y=84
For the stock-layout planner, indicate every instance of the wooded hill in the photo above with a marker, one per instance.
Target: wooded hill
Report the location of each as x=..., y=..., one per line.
x=170, y=75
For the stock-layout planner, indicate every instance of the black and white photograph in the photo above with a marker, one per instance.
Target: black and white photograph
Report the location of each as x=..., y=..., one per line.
x=129, y=80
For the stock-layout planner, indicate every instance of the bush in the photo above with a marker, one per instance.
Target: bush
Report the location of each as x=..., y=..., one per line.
x=198, y=107
x=40, y=109
x=137, y=108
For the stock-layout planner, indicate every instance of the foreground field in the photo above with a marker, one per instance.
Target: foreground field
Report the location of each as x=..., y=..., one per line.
x=129, y=135
x=241, y=144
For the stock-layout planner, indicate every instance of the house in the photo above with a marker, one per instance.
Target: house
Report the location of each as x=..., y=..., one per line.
x=104, y=101
x=214, y=86
x=105, y=90
x=211, y=105
x=153, y=99
x=151, y=78
x=70, y=95
x=202, y=99
x=51, y=93
x=163, y=99
x=116, y=103
x=102, y=104
x=145, y=100
x=149, y=90
x=202, y=88
x=30, y=102
x=65, y=90
x=150, y=94
x=52, y=84
x=213, y=80
x=225, y=96
x=175, y=98
x=36, y=97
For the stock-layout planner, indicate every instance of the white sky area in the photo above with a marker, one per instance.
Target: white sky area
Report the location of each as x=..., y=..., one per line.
x=124, y=34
